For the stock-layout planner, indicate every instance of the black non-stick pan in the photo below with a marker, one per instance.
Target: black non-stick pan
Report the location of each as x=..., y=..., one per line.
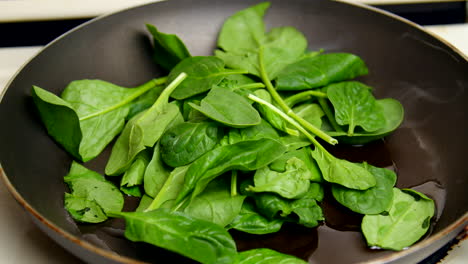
x=428, y=151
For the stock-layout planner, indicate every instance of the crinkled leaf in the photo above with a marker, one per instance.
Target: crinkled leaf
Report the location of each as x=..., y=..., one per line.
x=302, y=154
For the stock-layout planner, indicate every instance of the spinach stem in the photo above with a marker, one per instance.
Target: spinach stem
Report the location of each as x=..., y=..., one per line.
x=328, y=112
x=139, y=91
x=286, y=108
x=303, y=96
x=234, y=183
x=288, y=119
x=251, y=86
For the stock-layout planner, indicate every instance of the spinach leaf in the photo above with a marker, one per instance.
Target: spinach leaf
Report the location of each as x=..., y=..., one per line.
x=133, y=177
x=355, y=106
x=144, y=203
x=89, y=114
x=273, y=118
x=266, y=256
x=407, y=220
x=292, y=183
x=185, y=142
x=294, y=143
x=312, y=113
x=203, y=73
x=216, y=204
x=244, y=156
x=320, y=70
x=140, y=131
x=263, y=130
x=250, y=221
x=92, y=196
x=144, y=101
x=168, y=48
x=156, y=173
x=373, y=200
x=302, y=154
x=393, y=112
x=197, y=239
x=228, y=108
x=343, y=172
x=169, y=191
x=243, y=34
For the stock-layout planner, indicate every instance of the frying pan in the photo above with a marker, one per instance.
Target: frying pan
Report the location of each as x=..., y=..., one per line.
x=428, y=76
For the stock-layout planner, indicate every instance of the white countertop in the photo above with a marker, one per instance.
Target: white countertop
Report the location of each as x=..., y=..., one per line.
x=22, y=242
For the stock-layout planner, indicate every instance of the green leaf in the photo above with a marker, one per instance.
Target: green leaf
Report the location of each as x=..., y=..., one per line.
x=185, y=142
x=216, y=204
x=144, y=101
x=228, y=108
x=243, y=34
x=373, y=200
x=197, y=239
x=244, y=156
x=293, y=183
x=168, y=48
x=250, y=221
x=294, y=143
x=91, y=195
x=267, y=256
x=343, y=172
x=169, y=191
x=140, y=131
x=355, y=106
x=203, y=73
x=156, y=173
x=312, y=113
x=144, y=203
x=133, y=177
x=304, y=155
x=263, y=130
x=393, y=112
x=320, y=70
x=407, y=220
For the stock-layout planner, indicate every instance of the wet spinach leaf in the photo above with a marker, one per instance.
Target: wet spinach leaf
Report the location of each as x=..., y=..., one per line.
x=203, y=73
x=355, y=106
x=228, y=108
x=197, y=239
x=133, y=177
x=320, y=70
x=267, y=256
x=407, y=220
x=244, y=156
x=89, y=114
x=250, y=221
x=185, y=142
x=393, y=112
x=343, y=172
x=92, y=196
x=373, y=200
x=216, y=204
x=168, y=49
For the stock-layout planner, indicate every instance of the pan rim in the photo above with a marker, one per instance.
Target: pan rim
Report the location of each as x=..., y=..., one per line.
x=460, y=223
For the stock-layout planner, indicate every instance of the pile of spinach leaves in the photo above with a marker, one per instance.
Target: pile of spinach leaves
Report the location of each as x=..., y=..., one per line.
x=230, y=141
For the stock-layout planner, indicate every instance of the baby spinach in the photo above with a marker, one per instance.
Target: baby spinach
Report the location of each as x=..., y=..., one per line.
x=245, y=155
x=92, y=196
x=216, y=204
x=267, y=256
x=292, y=183
x=312, y=113
x=185, y=142
x=393, y=112
x=373, y=200
x=228, y=108
x=197, y=239
x=243, y=34
x=294, y=143
x=302, y=154
x=407, y=220
x=355, y=105
x=145, y=201
x=89, y=114
x=133, y=177
x=263, y=130
x=343, y=172
x=203, y=73
x=250, y=221
x=168, y=48
x=156, y=173
x=140, y=131
x=320, y=70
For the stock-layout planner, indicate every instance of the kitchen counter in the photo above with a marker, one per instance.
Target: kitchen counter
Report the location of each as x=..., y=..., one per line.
x=22, y=242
